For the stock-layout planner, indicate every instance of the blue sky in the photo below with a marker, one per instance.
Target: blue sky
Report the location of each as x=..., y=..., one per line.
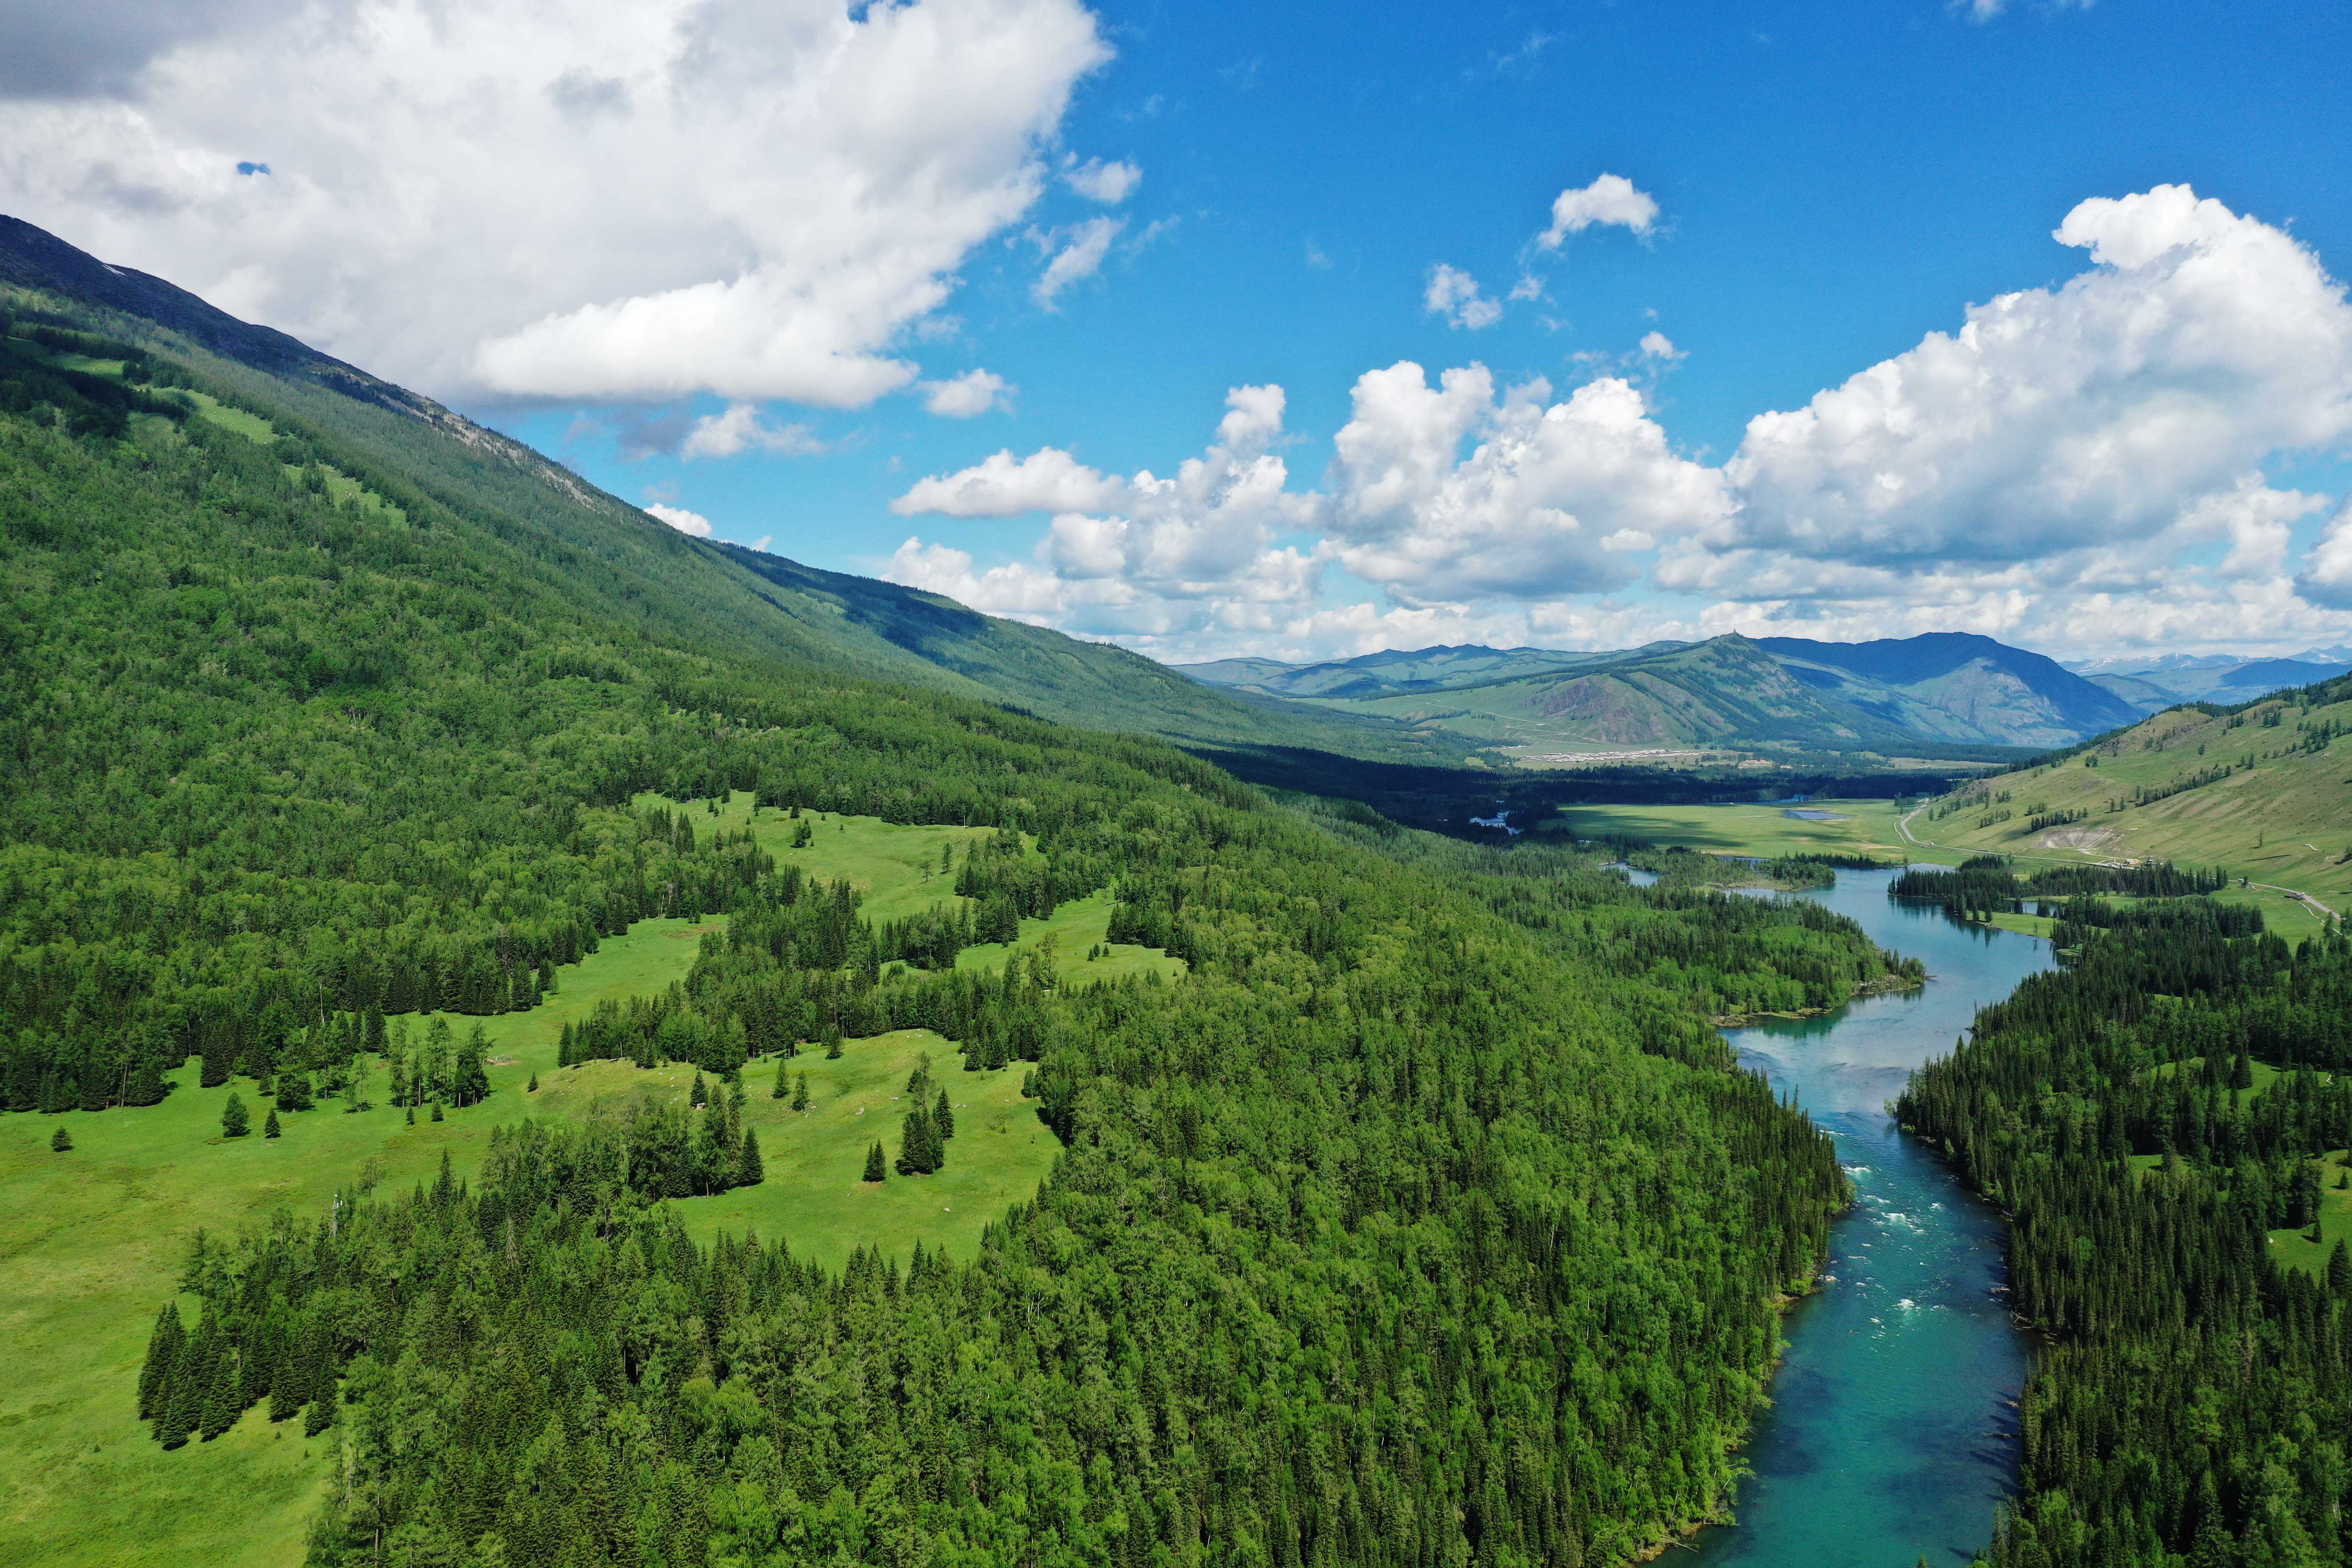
x=1832, y=184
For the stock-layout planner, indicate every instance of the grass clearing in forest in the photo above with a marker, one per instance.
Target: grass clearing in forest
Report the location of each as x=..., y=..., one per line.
x=91, y=1241
x=1858, y=828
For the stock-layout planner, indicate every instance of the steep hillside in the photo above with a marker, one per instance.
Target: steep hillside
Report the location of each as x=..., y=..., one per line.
x=612, y=559
x=2263, y=790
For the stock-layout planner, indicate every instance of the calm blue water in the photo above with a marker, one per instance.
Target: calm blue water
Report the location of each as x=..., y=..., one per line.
x=1890, y=1432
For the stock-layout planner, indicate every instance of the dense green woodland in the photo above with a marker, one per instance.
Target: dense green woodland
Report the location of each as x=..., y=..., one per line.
x=1426, y=1220
x=2195, y=1406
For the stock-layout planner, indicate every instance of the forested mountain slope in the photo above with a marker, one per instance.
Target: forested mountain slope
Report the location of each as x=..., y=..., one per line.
x=611, y=559
x=1424, y=1219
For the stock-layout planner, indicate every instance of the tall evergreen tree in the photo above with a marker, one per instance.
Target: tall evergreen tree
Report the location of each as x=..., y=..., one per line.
x=183, y=1408
x=269, y=1128
x=943, y=1120
x=874, y=1162
x=799, y=1091
x=749, y=1169
x=701, y=1095
x=234, y=1123
x=170, y=1341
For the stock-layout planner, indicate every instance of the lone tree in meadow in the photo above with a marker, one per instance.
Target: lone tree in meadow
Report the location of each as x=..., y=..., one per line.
x=944, y=1119
x=920, y=1151
x=875, y=1166
x=270, y=1125
x=234, y=1122
x=61, y=1140
x=749, y=1169
x=799, y=1091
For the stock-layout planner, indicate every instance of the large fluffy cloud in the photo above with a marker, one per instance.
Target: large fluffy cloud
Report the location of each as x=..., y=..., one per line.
x=1143, y=556
x=1554, y=498
x=628, y=201
x=2326, y=577
x=2199, y=343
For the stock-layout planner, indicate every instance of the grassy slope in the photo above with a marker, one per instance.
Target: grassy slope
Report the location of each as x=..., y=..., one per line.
x=2285, y=824
x=91, y=1240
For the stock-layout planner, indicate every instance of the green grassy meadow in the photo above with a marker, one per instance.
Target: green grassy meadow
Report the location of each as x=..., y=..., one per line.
x=91, y=1240
x=1863, y=828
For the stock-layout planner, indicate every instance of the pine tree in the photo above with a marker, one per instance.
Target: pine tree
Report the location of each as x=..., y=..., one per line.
x=778, y=1091
x=62, y=1141
x=944, y=1119
x=799, y=1091
x=749, y=1169
x=269, y=1128
x=833, y=1042
x=918, y=1145
x=321, y=1413
x=170, y=1341
x=411, y=1116
x=234, y=1123
x=2242, y=1072
x=700, y=1097
x=221, y=1404
x=875, y=1165
x=2339, y=1272
x=183, y=1407
x=436, y=1110
x=532, y=1088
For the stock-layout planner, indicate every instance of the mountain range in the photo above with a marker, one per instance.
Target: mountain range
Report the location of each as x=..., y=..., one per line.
x=2152, y=685
x=1927, y=694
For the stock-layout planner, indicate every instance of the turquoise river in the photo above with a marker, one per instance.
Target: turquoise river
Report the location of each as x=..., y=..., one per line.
x=1892, y=1433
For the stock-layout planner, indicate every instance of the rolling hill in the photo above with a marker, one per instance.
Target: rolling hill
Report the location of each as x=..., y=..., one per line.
x=2263, y=790
x=1931, y=694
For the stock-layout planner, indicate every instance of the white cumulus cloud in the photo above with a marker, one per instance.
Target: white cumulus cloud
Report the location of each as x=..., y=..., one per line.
x=1109, y=183
x=1454, y=294
x=968, y=395
x=739, y=429
x=1143, y=557
x=1552, y=498
x=1048, y=480
x=1609, y=200
x=599, y=200
x=2199, y=343
x=2326, y=576
x=678, y=518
